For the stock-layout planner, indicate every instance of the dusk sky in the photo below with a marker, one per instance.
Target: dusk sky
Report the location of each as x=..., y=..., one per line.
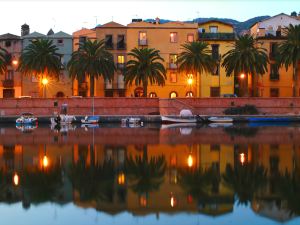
x=71, y=15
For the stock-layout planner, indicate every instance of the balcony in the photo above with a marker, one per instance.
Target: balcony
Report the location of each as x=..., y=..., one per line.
x=217, y=36
x=109, y=45
x=120, y=66
x=173, y=66
x=143, y=42
x=8, y=83
x=121, y=46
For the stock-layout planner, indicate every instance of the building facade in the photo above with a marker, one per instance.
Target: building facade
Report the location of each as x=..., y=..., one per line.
x=59, y=86
x=11, y=81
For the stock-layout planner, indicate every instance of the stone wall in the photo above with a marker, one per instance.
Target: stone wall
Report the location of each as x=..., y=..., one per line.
x=145, y=106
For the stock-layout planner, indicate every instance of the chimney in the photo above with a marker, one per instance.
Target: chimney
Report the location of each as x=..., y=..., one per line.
x=25, y=29
x=157, y=20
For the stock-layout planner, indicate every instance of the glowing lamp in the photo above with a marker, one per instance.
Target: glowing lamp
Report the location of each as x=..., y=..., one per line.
x=16, y=179
x=173, y=201
x=190, y=161
x=121, y=178
x=15, y=62
x=45, y=81
x=242, y=76
x=242, y=158
x=45, y=161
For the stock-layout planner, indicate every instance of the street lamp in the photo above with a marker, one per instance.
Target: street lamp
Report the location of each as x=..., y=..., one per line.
x=242, y=76
x=45, y=81
x=15, y=62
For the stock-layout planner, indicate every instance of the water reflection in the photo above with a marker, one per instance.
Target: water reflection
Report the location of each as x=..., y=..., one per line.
x=149, y=170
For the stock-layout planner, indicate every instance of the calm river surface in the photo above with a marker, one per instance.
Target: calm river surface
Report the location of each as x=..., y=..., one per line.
x=246, y=174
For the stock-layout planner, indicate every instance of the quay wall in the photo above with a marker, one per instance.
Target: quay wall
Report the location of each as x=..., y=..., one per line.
x=145, y=106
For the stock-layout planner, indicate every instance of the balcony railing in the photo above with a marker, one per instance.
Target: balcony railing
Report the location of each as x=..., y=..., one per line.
x=121, y=46
x=109, y=45
x=274, y=76
x=173, y=66
x=217, y=36
x=114, y=85
x=120, y=66
x=143, y=42
x=8, y=83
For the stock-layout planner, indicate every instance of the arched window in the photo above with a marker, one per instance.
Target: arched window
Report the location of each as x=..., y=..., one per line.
x=173, y=94
x=152, y=95
x=60, y=94
x=138, y=92
x=189, y=94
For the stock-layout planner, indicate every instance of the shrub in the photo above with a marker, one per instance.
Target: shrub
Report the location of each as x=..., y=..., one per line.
x=241, y=110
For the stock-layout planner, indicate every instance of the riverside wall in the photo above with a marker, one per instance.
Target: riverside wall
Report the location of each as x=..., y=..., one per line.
x=145, y=106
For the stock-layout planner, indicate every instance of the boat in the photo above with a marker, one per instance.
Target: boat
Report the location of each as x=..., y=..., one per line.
x=90, y=120
x=215, y=119
x=270, y=119
x=62, y=119
x=26, y=118
x=132, y=122
x=182, y=119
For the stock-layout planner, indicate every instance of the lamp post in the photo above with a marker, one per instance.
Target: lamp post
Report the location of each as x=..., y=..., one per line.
x=45, y=81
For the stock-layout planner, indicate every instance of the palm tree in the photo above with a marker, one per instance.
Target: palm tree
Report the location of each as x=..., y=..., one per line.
x=91, y=60
x=145, y=68
x=196, y=58
x=3, y=60
x=289, y=53
x=246, y=58
x=40, y=58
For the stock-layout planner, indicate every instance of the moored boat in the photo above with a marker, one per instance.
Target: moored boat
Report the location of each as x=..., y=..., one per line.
x=90, y=120
x=26, y=118
x=182, y=119
x=62, y=119
x=215, y=119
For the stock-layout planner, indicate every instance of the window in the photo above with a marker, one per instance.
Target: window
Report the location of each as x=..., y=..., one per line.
x=173, y=77
x=215, y=52
x=190, y=38
x=273, y=50
x=82, y=40
x=173, y=94
x=121, y=83
x=142, y=38
x=173, y=61
x=274, y=73
x=7, y=44
x=153, y=95
x=120, y=61
x=60, y=42
x=213, y=29
x=189, y=94
x=214, y=91
x=274, y=92
x=109, y=41
x=121, y=42
x=173, y=37
x=9, y=75
x=214, y=147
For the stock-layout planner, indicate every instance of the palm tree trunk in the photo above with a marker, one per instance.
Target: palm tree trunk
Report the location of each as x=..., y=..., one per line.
x=254, y=85
x=92, y=86
x=145, y=87
x=295, y=80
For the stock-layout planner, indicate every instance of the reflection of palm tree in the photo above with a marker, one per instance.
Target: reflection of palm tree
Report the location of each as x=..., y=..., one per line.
x=245, y=180
x=93, y=182
x=145, y=175
x=42, y=185
x=288, y=187
x=198, y=182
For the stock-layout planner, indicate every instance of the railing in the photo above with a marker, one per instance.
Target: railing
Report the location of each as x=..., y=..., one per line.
x=274, y=76
x=109, y=45
x=217, y=36
x=143, y=42
x=120, y=66
x=121, y=46
x=114, y=85
x=8, y=83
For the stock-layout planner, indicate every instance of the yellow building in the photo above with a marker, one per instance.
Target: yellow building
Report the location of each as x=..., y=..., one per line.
x=220, y=36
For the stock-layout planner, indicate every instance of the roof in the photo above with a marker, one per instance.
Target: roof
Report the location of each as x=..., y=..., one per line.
x=111, y=24
x=33, y=35
x=9, y=36
x=216, y=21
x=60, y=34
x=280, y=14
x=173, y=25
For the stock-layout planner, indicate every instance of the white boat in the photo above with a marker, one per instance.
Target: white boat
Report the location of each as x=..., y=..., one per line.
x=215, y=119
x=26, y=118
x=62, y=119
x=131, y=122
x=90, y=120
x=182, y=119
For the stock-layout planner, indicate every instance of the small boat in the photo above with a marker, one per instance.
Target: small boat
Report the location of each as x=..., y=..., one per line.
x=215, y=119
x=62, y=119
x=26, y=118
x=132, y=122
x=90, y=120
x=270, y=119
x=182, y=119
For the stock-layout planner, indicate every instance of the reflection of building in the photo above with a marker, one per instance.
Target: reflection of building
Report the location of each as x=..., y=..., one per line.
x=58, y=86
x=277, y=82
x=11, y=82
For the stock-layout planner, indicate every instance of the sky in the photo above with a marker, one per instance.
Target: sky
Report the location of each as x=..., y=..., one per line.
x=72, y=15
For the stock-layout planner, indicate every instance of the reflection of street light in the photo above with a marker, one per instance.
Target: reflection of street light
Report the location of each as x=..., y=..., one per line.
x=45, y=161
x=190, y=160
x=45, y=81
x=242, y=158
x=16, y=179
